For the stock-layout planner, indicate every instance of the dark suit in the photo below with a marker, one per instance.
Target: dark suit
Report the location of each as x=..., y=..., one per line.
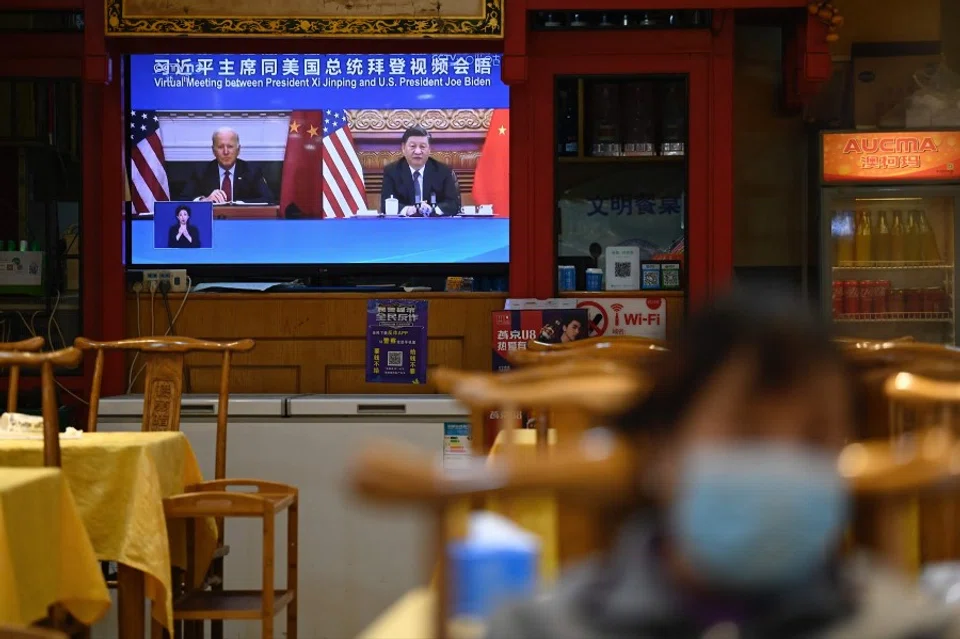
x=183, y=242
x=437, y=179
x=248, y=183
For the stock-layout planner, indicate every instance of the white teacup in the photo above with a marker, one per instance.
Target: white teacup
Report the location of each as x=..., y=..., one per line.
x=391, y=206
x=469, y=210
x=485, y=209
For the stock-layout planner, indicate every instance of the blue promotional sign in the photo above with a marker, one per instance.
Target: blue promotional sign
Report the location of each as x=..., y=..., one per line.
x=238, y=82
x=397, y=341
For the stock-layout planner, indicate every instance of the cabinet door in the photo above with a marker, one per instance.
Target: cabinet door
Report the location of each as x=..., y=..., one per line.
x=627, y=137
x=888, y=261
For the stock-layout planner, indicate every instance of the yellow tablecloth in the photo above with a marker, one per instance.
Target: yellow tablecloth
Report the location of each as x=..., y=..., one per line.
x=45, y=553
x=119, y=481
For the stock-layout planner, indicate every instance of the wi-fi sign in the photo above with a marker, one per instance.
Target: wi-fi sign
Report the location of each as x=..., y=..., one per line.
x=616, y=307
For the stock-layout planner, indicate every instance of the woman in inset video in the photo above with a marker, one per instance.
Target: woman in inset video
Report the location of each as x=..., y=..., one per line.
x=183, y=234
x=742, y=538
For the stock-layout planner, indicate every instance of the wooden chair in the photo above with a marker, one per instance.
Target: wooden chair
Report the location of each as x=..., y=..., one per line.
x=925, y=529
x=591, y=384
x=46, y=362
x=31, y=345
x=874, y=363
x=163, y=390
x=580, y=395
x=638, y=353
x=535, y=345
x=388, y=474
x=859, y=342
x=16, y=632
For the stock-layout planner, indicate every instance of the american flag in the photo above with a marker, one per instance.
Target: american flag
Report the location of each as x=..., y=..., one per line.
x=343, y=189
x=148, y=177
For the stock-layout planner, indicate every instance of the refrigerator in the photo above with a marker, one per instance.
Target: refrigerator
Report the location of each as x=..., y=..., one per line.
x=888, y=233
x=355, y=558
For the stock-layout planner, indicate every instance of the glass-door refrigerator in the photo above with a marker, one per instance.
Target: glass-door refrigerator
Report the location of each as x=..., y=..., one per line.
x=889, y=233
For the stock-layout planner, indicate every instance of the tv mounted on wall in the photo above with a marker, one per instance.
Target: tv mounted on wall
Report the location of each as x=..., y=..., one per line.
x=317, y=160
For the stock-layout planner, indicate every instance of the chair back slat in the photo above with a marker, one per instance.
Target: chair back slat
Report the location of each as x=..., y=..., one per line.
x=163, y=391
x=32, y=345
x=46, y=363
x=164, y=381
x=590, y=342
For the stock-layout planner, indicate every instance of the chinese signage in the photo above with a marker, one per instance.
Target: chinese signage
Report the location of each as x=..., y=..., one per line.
x=513, y=329
x=891, y=157
x=635, y=205
x=326, y=18
x=272, y=82
x=511, y=332
x=642, y=317
x=397, y=341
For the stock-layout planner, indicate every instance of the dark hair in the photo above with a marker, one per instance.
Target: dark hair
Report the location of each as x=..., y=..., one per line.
x=183, y=207
x=414, y=132
x=786, y=339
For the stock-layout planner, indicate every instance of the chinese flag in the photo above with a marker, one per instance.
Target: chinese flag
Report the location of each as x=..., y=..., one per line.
x=302, y=185
x=491, y=182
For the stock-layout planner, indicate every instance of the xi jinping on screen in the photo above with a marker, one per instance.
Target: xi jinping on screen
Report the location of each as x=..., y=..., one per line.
x=422, y=185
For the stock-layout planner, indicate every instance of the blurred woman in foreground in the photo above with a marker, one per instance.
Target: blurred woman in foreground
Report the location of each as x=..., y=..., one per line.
x=744, y=538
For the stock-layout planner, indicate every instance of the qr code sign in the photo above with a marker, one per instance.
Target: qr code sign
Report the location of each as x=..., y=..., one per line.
x=622, y=269
x=394, y=358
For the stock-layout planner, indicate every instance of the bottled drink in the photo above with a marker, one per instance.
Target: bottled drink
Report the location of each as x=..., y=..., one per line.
x=864, y=241
x=896, y=238
x=881, y=240
x=911, y=239
x=843, y=230
x=605, y=103
x=674, y=126
x=928, y=240
x=567, y=143
x=637, y=110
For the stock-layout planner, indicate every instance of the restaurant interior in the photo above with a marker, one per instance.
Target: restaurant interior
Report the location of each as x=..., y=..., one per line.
x=689, y=262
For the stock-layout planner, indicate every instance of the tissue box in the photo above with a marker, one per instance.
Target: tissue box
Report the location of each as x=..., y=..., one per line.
x=21, y=272
x=496, y=563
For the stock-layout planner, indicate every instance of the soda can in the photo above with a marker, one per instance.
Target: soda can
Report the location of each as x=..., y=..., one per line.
x=881, y=297
x=851, y=297
x=867, y=288
x=838, y=298
x=566, y=278
x=594, y=279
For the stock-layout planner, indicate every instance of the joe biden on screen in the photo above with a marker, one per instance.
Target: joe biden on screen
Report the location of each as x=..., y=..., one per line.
x=227, y=178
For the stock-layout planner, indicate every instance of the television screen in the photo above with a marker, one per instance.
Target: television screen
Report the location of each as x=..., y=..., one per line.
x=317, y=159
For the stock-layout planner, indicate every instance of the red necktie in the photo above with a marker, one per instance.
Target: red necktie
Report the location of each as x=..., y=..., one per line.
x=226, y=187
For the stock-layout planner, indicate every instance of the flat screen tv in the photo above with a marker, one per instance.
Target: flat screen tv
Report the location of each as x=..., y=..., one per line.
x=317, y=160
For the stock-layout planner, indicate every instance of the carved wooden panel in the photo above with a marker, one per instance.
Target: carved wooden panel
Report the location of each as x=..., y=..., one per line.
x=163, y=389
x=316, y=343
x=315, y=18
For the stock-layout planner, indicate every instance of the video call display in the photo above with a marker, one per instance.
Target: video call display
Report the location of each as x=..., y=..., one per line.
x=318, y=159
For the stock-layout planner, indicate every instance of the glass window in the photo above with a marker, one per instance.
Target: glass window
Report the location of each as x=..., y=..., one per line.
x=889, y=257
x=621, y=177
x=40, y=195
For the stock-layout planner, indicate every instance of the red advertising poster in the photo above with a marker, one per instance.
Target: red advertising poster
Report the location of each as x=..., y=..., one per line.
x=511, y=332
x=897, y=156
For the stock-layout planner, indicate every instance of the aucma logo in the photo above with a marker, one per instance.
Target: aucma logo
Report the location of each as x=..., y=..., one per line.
x=897, y=144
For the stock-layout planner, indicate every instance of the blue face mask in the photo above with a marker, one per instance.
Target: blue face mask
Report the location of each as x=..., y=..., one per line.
x=757, y=516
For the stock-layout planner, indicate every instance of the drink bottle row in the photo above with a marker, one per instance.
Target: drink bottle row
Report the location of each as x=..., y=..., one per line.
x=865, y=238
